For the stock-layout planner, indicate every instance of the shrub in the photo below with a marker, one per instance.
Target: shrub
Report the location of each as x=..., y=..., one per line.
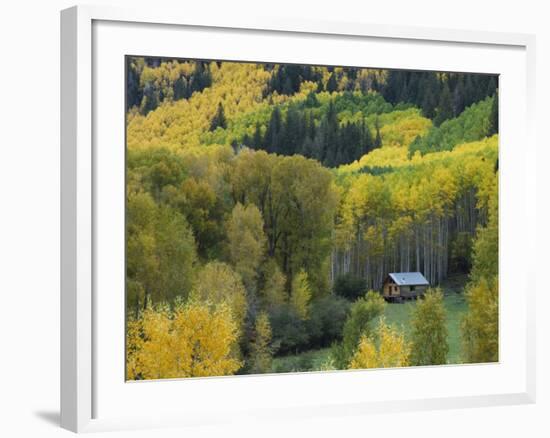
x=359, y=323
x=326, y=321
x=349, y=286
x=289, y=333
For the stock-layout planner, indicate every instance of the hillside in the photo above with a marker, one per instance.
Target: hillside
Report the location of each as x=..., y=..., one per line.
x=255, y=191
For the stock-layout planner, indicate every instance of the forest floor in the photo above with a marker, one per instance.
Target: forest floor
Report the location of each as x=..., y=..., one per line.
x=398, y=314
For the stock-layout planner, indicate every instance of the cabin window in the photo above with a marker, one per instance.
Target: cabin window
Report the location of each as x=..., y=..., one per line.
x=413, y=288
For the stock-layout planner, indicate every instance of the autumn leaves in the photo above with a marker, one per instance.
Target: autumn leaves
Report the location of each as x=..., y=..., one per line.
x=237, y=254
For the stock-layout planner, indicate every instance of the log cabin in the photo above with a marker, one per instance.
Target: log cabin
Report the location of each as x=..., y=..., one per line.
x=399, y=286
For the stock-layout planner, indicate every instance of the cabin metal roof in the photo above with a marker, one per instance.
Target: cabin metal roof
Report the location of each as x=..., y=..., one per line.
x=409, y=279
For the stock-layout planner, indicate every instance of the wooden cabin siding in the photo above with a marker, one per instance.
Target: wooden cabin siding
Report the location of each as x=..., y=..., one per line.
x=391, y=290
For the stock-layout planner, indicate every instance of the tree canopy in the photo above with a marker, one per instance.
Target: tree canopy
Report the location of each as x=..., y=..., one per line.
x=263, y=201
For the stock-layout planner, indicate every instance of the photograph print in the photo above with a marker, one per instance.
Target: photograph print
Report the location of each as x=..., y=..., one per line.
x=287, y=218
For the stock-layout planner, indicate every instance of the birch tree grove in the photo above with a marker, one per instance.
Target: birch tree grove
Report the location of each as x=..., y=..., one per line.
x=408, y=220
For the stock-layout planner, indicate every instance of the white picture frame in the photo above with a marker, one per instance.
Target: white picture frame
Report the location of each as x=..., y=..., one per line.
x=90, y=386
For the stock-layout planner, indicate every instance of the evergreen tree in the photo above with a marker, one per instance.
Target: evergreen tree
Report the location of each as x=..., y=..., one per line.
x=493, y=118
x=273, y=132
x=394, y=86
x=378, y=138
x=287, y=87
x=311, y=100
x=257, y=138
x=431, y=91
x=247, y=141
x=444, y=109
x=458, y=96
x=367, y=140
x=330, y=128
x=219, y=120
x=180, y=88
x=310, y=126
x=332, y=85
x=291, y=132
x=469, y=91
x=491, y=86
x=201, y=77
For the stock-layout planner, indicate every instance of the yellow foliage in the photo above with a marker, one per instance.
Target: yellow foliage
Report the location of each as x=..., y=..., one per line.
x=261, y=345
x=300, y=294
x=218, y=285
x=480, y=324
x=247, y=241
x=238, y=86
x=392, y=350
x=191, y=341
x=404, y=127
x=273, y=290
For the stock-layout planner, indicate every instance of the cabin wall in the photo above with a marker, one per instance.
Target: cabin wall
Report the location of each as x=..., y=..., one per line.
x=412, y=291
x=391, y=290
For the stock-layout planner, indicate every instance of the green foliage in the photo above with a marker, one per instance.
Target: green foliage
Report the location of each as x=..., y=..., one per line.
x=429, y=330
x=152, y=81
x=350, y=286
x=440, y=95
x=461, y=253
x=444, y=109
x=217, y=284
x=493, y=118
x=485, y=252
x=160, y=251
x=239, y=202
x=359, y=323
x=473, y=124
x=261, y=354
x=288, y=78
x=334, y=130
x=400, y=315
x=480, y=324
x=300, y=294
x=289, y=330
x=271, y=284
x=247, y=242
x=313, y=360
x=155, y=171
x=327, y=316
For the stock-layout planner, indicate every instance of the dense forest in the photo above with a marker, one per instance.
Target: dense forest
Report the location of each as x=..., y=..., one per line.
x=267, y=203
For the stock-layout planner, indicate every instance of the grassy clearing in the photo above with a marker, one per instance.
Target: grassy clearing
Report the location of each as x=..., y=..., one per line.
x=455, y=304
x=398, y=314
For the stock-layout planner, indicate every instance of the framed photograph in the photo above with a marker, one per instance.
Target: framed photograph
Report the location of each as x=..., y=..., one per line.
x=266, y=219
